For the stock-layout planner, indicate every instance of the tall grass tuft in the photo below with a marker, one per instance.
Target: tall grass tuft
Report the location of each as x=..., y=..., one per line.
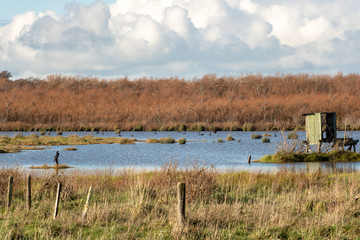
x=265, y=140
x=152, y=140
x=167, y=140
x=182, y=140
x=293, y=135
x=229, y=137
x=256, y=136
x=220, y=140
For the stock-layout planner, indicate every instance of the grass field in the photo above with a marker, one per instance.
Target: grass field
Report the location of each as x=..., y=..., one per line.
x=128, y=204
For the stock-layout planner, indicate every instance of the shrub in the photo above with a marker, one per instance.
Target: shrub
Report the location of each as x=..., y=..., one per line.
x=167, y=140
x=182, y=140
x=256, y=136
x=266, y=140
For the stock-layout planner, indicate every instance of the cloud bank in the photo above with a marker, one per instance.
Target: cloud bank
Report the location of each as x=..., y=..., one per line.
x=185, y=38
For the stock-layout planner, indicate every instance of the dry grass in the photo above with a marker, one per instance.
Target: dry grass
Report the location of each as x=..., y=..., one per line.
x=142, y=205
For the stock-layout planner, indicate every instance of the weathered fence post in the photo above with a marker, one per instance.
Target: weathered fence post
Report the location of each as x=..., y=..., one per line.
x=87, y=203
x=57, y=200
x=181, y=204
x=10, y=191
x=249, y=161
x=28, y=192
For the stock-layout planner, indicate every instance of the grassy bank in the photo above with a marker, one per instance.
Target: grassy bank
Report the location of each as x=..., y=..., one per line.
x=19, y=142
x=332, y=156
x=142, y=205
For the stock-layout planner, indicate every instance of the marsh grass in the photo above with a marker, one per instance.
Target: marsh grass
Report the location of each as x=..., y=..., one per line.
x=152, y=140
x=129, y=204
x=265, y=140
x=182, y=140
x=220, y=140
x=229, y=137
x=293, y=135
x=45, y=166
x=167, y=140
x=256, y=136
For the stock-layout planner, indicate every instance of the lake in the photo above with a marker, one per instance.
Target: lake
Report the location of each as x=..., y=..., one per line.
x=201, y=147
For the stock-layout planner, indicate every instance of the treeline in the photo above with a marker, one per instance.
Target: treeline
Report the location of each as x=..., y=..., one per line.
x=247, y=102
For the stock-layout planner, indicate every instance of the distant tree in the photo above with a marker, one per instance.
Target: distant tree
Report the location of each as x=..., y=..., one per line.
x=5, y=74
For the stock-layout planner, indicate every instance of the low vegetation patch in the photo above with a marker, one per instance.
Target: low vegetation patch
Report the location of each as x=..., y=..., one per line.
x=152, y=140
x=229, y=137
x=70, y=149
x=293, y=135
x=45, y=166
x=256, y=136
x=332, y=156
x=265, y=140
x=182, y=140
x=167, y=140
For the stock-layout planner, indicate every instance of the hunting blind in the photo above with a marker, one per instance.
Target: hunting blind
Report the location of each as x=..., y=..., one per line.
x=321, y=128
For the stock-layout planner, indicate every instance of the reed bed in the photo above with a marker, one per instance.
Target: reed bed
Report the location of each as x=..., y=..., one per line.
x=129, y=204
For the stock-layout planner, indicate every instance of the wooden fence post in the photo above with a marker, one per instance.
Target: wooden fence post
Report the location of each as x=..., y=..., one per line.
x=87, y=203
x=249, y=161
x=57, y=200
x=181, y=204
x=10, y=191
x=28, y=192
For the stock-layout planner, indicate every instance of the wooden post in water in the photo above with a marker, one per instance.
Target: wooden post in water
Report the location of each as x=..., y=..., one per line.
x=87, y=203
x=10, y=191
x=28, y=192
x=249, y=161
x=181, y=204
x=57, y=200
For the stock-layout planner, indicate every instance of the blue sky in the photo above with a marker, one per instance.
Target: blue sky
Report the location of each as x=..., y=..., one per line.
x=184, y=38
x=10, y=8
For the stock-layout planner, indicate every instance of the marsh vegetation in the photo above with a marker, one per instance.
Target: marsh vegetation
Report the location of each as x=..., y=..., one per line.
x=130, y=204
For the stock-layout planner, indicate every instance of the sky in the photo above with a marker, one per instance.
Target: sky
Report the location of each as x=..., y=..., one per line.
x=178, y=38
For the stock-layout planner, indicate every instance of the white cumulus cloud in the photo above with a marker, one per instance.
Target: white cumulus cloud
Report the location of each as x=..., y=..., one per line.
x=186, y=38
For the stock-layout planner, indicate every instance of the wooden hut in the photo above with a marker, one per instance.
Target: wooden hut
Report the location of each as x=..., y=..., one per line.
x=321, y=128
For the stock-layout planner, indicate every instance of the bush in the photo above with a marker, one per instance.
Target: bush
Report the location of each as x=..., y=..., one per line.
x=266, y=140
x=182, y=140
x=256, y=136
x=229, y=137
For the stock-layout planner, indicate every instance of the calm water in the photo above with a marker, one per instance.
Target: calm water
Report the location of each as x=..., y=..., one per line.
x=201, y=147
